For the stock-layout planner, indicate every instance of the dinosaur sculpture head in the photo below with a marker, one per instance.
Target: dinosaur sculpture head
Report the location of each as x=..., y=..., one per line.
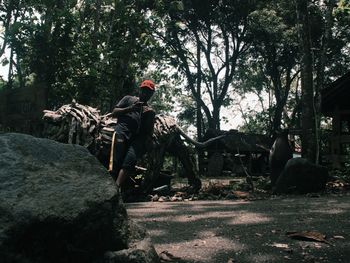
x=72, y=123
x=55, y=126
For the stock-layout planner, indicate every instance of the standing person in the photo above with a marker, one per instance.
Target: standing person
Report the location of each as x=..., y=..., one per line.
x=134, y=127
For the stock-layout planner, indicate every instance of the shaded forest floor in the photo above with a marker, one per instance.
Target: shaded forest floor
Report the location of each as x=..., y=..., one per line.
x=230, y=188
x=243, y=231
x=227, y=222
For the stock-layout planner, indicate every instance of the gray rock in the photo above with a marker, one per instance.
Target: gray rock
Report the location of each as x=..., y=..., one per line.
x=57, y=203
x=301, y=176
x=140, y=248
x=141, y=251
x=280, y=153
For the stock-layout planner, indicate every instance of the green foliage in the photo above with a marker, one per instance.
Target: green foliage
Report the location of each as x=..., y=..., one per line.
x=273, y=62
x=2, y=84
x=203, y=41
x=256, y=122
x=168, y=88
x=188, y=114
x=163, y=100
x=339, y=48
x=342, y=174
x=90, y=51
x=98, y=51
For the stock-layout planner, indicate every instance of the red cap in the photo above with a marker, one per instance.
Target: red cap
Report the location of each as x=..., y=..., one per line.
x=148, y=84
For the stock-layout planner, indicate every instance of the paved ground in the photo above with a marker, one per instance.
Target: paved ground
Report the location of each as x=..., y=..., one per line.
x=248, y=231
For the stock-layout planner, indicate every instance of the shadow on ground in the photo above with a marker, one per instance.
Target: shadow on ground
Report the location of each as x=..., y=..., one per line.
x=243, y=231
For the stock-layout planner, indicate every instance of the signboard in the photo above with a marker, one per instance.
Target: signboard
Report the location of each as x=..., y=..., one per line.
x=21, y=109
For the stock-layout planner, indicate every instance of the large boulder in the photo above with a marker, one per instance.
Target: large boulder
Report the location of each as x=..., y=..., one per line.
x=57, y=204
x=280, y=153
x=301, y=176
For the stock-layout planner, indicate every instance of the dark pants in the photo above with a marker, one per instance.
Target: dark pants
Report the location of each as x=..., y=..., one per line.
x=126, y=153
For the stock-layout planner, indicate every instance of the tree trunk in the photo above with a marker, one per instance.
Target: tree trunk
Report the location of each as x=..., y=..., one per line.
x=308, y=141
x=216, y=117
x=277, y=118
x=320, y=75
x=19, y=72
x=10, y=72
x=199, y=111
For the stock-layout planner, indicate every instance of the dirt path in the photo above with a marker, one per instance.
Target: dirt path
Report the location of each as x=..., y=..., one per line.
x=248, y=231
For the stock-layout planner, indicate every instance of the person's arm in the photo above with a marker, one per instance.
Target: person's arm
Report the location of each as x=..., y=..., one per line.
x=124, y=107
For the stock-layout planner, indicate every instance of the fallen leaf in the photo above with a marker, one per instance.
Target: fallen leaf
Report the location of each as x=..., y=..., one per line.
x=308, y=236
x=258, y=234
x=317, y=245
x=338, y=237
x=280, y=245
x=240, y=194
x=168, y=257
x=231, y=260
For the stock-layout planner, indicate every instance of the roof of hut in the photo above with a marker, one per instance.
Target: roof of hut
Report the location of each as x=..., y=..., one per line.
x=244, y=142
x=247, y=142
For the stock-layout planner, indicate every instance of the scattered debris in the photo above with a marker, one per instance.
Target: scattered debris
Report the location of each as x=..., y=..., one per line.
x=155, y=198
x=163, y=199
x=211, y=191
x=308, y=236
x=241, y=194
x=337, y=186
x=162, y=190
x=338, y=237
x=219, y=189
x=166, y=256
x=280, y=245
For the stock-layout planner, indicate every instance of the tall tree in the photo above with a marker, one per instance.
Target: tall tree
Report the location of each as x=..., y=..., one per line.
x=337, y=53
x=320, y=69
x=271, y=64
x=86, y=50
x=205, y=40
x=9, y=14
x=308, y=139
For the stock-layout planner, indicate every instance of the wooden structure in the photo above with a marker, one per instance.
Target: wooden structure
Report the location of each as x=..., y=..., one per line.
x=21, y=109
x=237, y=154
x=336, y=104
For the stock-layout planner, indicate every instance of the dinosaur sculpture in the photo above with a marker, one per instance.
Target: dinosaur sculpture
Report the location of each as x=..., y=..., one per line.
x=81, y=124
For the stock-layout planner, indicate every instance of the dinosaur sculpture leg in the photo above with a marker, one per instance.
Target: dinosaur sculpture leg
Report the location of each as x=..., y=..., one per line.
x=180, y=150
x=155, y=159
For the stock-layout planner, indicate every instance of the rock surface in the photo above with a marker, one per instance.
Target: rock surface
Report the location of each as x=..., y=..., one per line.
x=301, y=176
x=57, y=203
x=280, y=153
x=140, y=248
